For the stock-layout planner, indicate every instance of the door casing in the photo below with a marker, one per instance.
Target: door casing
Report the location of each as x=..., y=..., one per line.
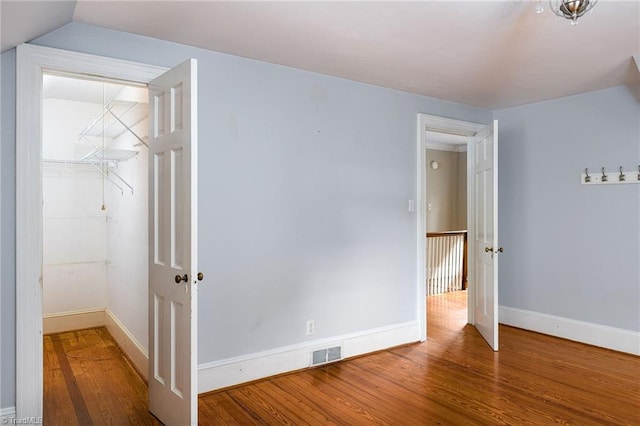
x=433, y=123
x=31, y=62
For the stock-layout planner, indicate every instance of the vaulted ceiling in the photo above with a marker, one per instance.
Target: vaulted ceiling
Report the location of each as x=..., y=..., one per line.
x=491, y=54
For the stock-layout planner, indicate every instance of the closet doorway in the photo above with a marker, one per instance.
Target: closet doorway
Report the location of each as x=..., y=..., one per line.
x=95, y=213
x=172, y=181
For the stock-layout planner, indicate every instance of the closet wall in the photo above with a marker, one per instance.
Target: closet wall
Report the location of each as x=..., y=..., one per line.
x=74, y=226
x=94, y=259
x=127, y=241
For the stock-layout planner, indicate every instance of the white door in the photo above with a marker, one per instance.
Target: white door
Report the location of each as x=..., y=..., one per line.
x=485, y=233
x=173, y=273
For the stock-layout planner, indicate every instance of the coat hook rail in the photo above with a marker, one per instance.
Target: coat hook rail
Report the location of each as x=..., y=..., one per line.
x=606, y=178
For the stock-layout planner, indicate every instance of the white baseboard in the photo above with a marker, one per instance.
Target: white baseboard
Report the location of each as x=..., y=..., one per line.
x=6, y=414
x=75, y=320
x=593, y=334
x=233, y=371
x=129, y=345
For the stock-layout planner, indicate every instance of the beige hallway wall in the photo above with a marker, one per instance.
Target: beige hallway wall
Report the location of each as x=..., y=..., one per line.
x=446, y=190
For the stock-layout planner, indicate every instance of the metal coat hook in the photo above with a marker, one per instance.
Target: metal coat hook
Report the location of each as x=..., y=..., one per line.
x=621, y=177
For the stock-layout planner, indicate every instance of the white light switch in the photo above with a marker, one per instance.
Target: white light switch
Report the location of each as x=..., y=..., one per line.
x=412, y=205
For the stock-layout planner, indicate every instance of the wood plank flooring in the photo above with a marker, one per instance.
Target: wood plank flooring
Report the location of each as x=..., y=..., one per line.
x=454, y=379
x=87, y=380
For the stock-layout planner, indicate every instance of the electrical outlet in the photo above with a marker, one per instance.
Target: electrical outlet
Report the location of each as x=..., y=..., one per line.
x=311, y=327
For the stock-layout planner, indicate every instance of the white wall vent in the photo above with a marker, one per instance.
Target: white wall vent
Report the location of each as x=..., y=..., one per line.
x=324, y=356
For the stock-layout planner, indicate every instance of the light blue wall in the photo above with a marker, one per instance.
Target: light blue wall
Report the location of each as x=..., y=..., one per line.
x=303, y=189
x=571, y=250
x=7, y=229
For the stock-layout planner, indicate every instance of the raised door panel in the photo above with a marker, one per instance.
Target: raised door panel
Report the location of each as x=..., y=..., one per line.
x=173, y=245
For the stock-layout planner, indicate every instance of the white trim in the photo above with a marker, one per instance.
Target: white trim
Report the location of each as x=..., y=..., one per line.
x=73, y=320
x=245, y=368
x=603, y=336
x=450, y=141
x=471, y=230
x=421, y=220
x=450, y=126
x=7, y=414
x=446, y=147
x=128, y=343
x=31, y=62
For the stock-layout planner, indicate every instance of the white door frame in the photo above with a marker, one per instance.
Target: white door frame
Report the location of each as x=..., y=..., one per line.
x=32, y=61
x=434, y=123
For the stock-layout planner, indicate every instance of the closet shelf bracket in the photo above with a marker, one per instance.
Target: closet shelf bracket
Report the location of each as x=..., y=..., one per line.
x=107, y=172
x=128, y=128
x=121, y=111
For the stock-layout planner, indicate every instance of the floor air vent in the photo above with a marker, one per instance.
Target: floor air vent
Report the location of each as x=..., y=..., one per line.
x=323, y=356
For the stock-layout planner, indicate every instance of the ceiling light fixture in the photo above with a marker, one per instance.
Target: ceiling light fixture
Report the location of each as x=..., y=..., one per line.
x=571, y=9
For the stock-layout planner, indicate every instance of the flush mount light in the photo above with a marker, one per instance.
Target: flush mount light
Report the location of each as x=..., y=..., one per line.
x=571, y=9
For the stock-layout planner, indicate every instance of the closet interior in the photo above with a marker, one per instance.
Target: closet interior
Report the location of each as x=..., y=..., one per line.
x=95, y=205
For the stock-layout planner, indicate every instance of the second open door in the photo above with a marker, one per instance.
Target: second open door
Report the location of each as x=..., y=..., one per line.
x=484, y=238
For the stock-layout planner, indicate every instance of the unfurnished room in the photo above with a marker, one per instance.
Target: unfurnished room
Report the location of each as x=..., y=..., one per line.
x=353, y=212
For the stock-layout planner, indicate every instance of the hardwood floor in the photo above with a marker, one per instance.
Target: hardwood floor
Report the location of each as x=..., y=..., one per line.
x=454, y=378
x=87, y=380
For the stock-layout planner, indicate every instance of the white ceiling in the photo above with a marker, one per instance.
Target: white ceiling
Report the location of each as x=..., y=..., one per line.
x=491, y=54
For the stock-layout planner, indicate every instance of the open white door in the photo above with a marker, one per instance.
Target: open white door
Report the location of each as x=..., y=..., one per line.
x=173, y=273
x=485, y=233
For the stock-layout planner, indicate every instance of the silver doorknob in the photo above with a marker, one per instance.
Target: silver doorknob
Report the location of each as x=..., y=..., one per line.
x=500, y=250
x=200, y=276
x=179, y=278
